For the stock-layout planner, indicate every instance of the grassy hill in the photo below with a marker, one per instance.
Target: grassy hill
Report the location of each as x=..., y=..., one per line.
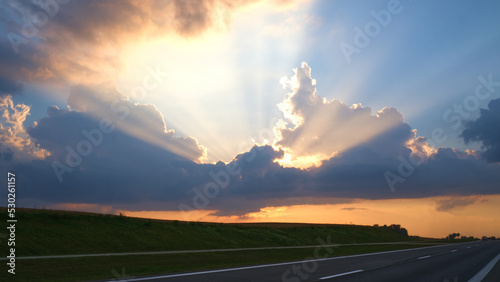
x=49, y=232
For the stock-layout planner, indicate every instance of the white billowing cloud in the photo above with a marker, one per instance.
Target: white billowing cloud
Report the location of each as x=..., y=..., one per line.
x=142, y=121
x=102, y=103
x=316, y=127
x=15, y=143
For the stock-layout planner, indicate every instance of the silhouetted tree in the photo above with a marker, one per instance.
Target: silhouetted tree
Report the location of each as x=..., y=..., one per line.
x=398, y=228
x=452, y=236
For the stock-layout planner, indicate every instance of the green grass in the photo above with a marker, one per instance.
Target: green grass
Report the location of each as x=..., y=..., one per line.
x=46, y=232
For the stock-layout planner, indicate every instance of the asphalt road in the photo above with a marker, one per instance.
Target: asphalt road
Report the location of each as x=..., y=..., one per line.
x=207, y=250
x=450, y=263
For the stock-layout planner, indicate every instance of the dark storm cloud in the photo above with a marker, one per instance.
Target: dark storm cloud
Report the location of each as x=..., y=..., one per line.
x=8, y=86
x=14, y=68
x=445, y=172
x=486, y=129
x=125, y=171
x=353, y=209
x=120, y=168
x=141, y=165
x=7, y=155
x=456, y=202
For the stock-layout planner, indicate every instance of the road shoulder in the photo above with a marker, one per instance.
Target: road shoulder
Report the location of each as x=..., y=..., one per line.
x=494, y=274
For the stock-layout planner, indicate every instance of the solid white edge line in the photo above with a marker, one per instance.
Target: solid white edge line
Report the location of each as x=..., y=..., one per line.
x=211, y=251
x=207, y=251
x=424, y=257
x=483, y=272
x=341, y=274
x=274, y=264
x=176, y=252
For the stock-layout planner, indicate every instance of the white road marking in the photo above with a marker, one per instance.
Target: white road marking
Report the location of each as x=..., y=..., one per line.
x=275, y=264
x=212, y=250
x=424, y=257
x=468, y=247
x=483, y=272
x=341, y=274
x=452, y=251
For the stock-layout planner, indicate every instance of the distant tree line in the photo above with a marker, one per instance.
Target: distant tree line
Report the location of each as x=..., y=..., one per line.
x=395, y=227
x=454, y=236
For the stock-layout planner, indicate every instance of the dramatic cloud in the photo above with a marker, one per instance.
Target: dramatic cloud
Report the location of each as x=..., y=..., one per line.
x=15, y=143
x=13, y=75
x=486, y=130
x=456, y=202
x=107, y=151
x=82, y=41
x=111, y=151
x=353, y=209
x=322, y=128
x=98, y=111
x=15, y=68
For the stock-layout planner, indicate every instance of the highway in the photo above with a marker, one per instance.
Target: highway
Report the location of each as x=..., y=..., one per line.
x=444, y=263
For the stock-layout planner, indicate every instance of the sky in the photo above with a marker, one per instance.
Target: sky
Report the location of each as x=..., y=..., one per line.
x=357, y=112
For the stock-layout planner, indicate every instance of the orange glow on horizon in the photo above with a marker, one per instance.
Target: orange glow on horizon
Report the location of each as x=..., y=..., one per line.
x=420, y=216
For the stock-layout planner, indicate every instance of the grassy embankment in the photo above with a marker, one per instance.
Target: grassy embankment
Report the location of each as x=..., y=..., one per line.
x=46, y=232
